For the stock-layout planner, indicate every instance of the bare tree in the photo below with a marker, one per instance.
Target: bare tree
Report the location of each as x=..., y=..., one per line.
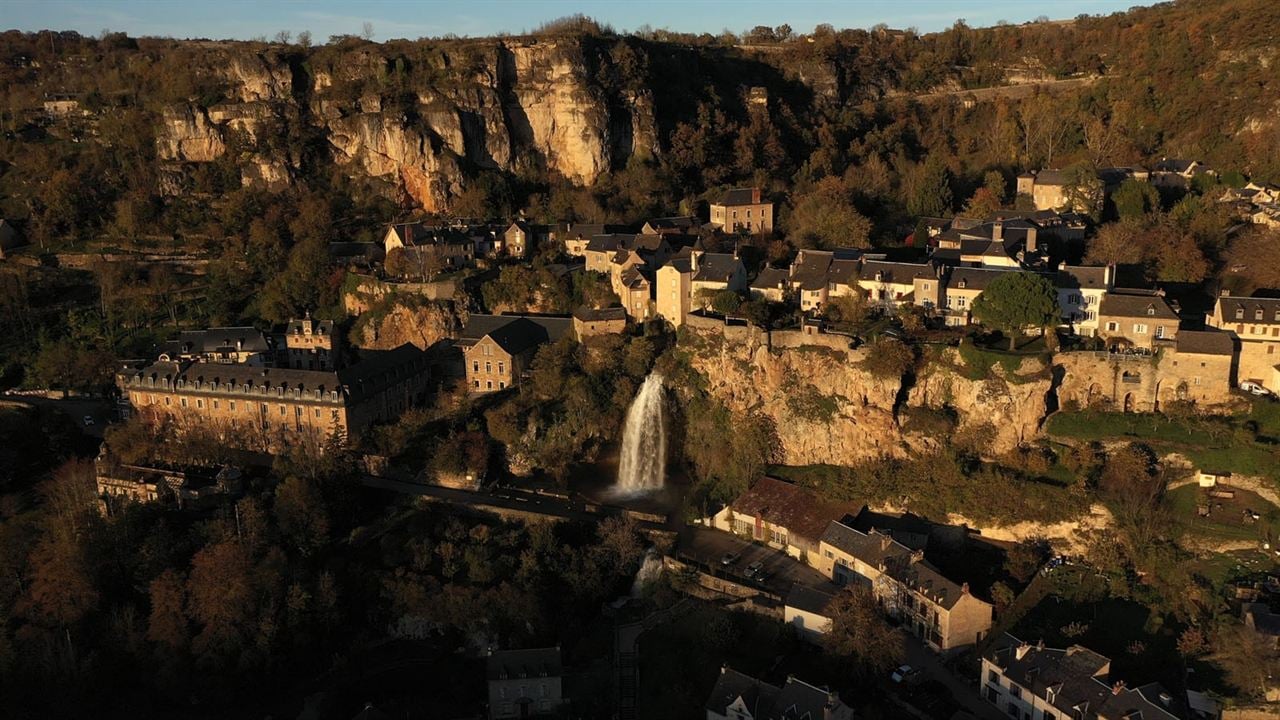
x=304, y=39
x=283, y=37
x=366, y=30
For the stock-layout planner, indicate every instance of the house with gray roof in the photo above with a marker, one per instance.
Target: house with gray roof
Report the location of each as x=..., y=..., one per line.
x=742, y=210
x=738, y=696
x=1138, y=318
x=1081, y=290
x=942, y=613
x=1024, y=680
x=525, y=683
x=691, y=277
x=498, y=349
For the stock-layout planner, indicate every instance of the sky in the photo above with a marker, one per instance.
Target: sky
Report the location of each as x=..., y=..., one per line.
x=246, y=19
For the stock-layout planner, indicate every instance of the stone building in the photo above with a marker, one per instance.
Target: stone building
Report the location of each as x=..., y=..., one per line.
x=590, y=322
x=940, y=612
x=1136, y=318
x=525, y=683
x=1195, y=368
x=1081, y=290
x=737, y=696
x=781, y=515
x=272, y=409
x=118, y=483
x=685, y=283
x=742, y=209
x=1023, y=681
x=427, y=249
x=225, y=345
x=311, y=345
x=1254, y=323
x=497, y=349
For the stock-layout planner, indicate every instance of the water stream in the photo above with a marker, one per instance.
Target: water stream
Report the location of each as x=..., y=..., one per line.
x=642, y=465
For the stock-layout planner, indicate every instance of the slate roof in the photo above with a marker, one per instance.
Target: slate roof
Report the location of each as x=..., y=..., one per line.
x=1205, y=342
x=967, y=278
x=219, y=339
x=758, y=696
x=896, y=272
x=769, y=279
x=1249, y=307
x=808, y=599
x=809, y=270
x=531, y=663
x=1135, y=304
x=716, y=267
x=800, y=701
x=479, y=325
x=1262, y=619
x=1084, y=277
x=879, y=549
x=587, y=314
x=897, y=527
x=740, y=196
x=678, y=223
x=779, y=502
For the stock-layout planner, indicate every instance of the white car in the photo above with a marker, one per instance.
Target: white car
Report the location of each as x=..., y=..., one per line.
x=905, y=674
x=1254, y=388
x=88, y=420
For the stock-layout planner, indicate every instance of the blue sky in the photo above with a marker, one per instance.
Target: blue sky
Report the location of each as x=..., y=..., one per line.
x=243, y=19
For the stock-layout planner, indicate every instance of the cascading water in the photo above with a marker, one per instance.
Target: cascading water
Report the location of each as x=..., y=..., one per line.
x=642, y=466
x=649, y=571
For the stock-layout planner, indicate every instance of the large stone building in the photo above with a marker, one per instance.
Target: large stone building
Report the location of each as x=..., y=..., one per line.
x=525, y=683
x=225, y=345
x=1254, y=323
x=1032, y=681
x=691, y=277
x=781, y=515
x=1195, y=368
x=742, y=209
x=940, y=612
x=311, y=345
x=425, y=249
x=1057, y=190
x=119, y=483
x=271, y=409
x=498, y=349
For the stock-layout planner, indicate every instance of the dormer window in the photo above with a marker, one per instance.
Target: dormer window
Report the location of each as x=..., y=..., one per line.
x=1239, y=313
x=1257, y=314
x=962, y=284
x=1151, y=309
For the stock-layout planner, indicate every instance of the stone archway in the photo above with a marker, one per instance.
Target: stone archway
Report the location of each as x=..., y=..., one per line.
x=1128, y=402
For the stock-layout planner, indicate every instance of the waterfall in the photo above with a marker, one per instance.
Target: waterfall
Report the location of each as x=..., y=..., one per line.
x=649, y=571
x=641, y=468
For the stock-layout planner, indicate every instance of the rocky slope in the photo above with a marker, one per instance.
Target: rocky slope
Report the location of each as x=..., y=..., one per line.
x=422, y=126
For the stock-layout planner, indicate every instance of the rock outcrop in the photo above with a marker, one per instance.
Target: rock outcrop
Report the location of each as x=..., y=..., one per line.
x=400, y=320
x=1008, y=407
x=424, y=127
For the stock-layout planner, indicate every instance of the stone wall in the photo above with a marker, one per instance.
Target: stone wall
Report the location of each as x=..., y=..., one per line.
x=1138, y=383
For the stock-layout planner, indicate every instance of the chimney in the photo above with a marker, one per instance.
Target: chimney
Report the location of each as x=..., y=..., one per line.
x=964, y=588
x=755, y=196
x=1021, y=651
x=997, y=230
x=693, y=259
x=1032, y=245
x=1117, y=688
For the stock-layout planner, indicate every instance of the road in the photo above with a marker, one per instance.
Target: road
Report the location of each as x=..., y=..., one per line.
x=964, y=690
x=76, y=408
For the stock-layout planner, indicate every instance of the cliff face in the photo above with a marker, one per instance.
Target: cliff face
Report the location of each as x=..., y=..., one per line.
x=827, y=408
x=422, y=126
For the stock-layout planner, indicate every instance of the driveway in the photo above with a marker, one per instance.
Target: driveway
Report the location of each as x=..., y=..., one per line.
x=76, y=408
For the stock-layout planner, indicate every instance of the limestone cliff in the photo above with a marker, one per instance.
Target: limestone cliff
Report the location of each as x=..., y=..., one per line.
x=405, y=319
x=827, y=408
x=425, y=125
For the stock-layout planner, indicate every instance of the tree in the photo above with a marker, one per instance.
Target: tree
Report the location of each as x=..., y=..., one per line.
x=1016, y=301
x=981, y=204
x=1135, y=198
x=302, y=515
x=726, y=302
x=825, y=217
x=930, y=190
x=167, y=625
x=1250, y=662
x=859, y=632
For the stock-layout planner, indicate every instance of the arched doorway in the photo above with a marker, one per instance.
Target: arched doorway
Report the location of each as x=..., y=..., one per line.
x=1128, y=402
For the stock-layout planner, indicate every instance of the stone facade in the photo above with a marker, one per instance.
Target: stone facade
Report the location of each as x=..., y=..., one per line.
x=742, y=209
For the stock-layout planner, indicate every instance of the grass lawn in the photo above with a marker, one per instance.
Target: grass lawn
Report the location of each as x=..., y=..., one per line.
x=1226, y=516
x=1217, y=443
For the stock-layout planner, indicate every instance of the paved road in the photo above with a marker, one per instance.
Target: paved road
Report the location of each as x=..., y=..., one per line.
x=76, y=408
x=509, y=499
x=964, y=690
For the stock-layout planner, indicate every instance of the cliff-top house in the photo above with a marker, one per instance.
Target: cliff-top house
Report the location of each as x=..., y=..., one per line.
x=742, y=209
x=498, y=349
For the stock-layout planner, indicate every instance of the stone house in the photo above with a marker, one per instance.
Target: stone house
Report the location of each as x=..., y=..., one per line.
x=1081, y=290
x=684, y=283
x=427, y=247
x=742, y=209
x=941, y=613
x=963, y=286
x=817, y=276
x=806, y=609
x=1178, y=174
x=498, y=349
x=1196, y=368
x=1200, y=369
x=890, y=284
x=781, y=515
x=269, y=410
x=576, y=236
x=770, y=284
x=679, y=225
x=1025, y=681
x=522, y=237
x=737, y=696
x=590, y=322
x=1048, y=189
x=525, y=683
x=1136, y=318
x=119, y=483
x=1254, y=323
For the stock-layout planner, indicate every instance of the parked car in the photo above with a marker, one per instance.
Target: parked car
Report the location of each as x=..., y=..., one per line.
x=754, y=569
x=88, y=420
x=906, y=675
x=1254, y=388
x=729, y=558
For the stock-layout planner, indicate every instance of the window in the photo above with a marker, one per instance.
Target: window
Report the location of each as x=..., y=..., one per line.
x=502, y=385
x=1159, y=331
x=232, y=403
x=475, y=366
x=477, y=384
x=488, y=384
x=1257, y=314
x=488, y=366
x=1015, y=691
x=200, y=403
x=502, y=367
x=1139, y=329
x=184, y=402
x=317, y=412
x=960, y=302
x=1239, y=313
x=778, y=537
x=282, y=411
